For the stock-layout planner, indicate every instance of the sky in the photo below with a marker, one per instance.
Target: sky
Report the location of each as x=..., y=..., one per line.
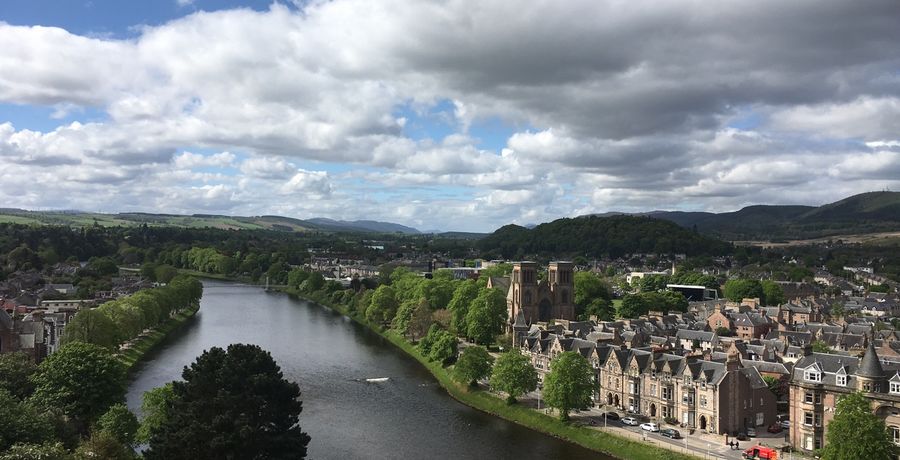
x=445, y=115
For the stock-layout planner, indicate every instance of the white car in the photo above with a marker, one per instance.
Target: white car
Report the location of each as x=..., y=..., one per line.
x=650, y=426
x=629, y=421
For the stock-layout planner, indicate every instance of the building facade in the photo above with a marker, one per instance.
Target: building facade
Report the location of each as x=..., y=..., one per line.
x=541, y=300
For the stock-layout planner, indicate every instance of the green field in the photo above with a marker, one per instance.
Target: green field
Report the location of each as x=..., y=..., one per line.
x=79, y=219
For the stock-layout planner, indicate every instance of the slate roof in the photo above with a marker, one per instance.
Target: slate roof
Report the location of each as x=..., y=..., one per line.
x=688, y=334
x=870, y=366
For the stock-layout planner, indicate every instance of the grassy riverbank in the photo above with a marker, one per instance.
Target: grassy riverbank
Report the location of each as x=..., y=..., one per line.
x=590, y=438
x=147, y=341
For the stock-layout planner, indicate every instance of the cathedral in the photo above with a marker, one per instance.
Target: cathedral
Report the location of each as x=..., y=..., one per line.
x=530, y=300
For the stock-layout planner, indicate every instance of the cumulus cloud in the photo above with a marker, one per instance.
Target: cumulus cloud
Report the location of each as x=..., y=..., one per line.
x=609, y=105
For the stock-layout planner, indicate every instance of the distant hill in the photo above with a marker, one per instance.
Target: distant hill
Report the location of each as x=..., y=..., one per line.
x=859, y=214
x=594, y=236
x=277, y=223
x=362, y=225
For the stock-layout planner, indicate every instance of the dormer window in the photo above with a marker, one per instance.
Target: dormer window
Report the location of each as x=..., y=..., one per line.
x=812, y=375
x=841, y=380
x=895, y=388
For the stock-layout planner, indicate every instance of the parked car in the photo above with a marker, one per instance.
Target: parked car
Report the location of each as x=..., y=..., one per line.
x=671, y=433
x=760, y=452
x=775, y=428
x=785, y=424
x=612, y=416
x=630, y=421
x=650, y=426
x=751, y=432
x=742, y=436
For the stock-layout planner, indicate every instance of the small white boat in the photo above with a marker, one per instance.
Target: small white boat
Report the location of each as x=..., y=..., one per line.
x=378, y=380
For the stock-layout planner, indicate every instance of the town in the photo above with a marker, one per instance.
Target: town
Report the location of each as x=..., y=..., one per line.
x=700, y=350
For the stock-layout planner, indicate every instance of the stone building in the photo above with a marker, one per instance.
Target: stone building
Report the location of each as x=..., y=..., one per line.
x=712, y=396
x=541, y=300
x=820, y=379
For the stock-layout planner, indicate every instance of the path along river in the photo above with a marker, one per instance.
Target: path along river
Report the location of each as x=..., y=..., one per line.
x=407, y=417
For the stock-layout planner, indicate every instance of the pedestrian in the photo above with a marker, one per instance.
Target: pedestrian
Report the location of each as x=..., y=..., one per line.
x=731, y=445
x=737, y=446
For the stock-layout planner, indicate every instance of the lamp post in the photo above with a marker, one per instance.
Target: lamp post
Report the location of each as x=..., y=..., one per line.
x=707, y=450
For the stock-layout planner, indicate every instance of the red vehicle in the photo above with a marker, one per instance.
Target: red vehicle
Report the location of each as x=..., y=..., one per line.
x=760, y=452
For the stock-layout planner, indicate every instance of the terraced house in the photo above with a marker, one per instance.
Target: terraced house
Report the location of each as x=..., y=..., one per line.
x=821, y=379
x=721, y=398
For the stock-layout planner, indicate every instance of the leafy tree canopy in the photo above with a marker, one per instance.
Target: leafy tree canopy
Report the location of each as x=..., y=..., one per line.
x=474, y=364
x=81, y=379
x=569, y=384
x=514, y=375
x=856, y=432
x=232, y=403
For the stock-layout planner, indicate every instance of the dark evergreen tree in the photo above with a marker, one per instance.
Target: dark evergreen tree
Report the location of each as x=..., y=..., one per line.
x=233, y=404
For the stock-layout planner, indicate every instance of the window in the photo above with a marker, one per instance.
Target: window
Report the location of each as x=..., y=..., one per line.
x=818, y=398
x=812, y=375
x=808, y=398
x=818, y=442
x=895, y=387
x=808, y=442
x=667, y=393
x=760, y=418
x=808, y=418
x=841, y=380
x=653, y=389
x=895, y=431
x=818, y=419
x=703, y=401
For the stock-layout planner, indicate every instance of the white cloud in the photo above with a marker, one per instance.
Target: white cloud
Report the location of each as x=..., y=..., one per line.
x=596, y=126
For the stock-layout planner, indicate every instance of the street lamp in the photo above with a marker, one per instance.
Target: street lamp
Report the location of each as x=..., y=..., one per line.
x=707, y=449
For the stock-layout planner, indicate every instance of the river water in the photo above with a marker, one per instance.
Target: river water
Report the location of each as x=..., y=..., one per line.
x=407, y=417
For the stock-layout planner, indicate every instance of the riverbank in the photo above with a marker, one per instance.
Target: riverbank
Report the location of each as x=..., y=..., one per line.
x=147, y=341
x=593, y=439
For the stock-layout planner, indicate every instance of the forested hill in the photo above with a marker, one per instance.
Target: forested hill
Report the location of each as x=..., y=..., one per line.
x=594, y=236
x=864, y=213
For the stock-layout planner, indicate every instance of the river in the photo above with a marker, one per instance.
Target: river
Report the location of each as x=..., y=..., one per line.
x=410, y=416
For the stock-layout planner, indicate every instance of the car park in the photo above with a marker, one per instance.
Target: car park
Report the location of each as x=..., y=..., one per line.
x=671, y=433
x=630, y=421
x=650, y=426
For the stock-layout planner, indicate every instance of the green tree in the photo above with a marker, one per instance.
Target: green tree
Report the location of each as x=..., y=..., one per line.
x=81, y=379
x=16, y=370
x=486, y=316
x=155, y=406
x=772, y=292
x=514, y=375
x=569, y=384
x=463, y=296
x=856, y=432
x=632, y=306
x=103, y=445
x=474, y=364
x=233, y=403
x=738, y=289
x=119, y=423
x=589, y=289
x=779, y=387
x=601, y=308
x=383, y=306
x=819, y=346
x=45, y=451
x=724, y=332
x=21, y=422
x=92, y=326
x=443, y=348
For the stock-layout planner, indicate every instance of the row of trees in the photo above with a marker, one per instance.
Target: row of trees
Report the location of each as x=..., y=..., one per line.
x=569, y=384
x=123, y=319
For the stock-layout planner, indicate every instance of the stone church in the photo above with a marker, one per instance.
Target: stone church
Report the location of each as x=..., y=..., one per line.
x=530, y=300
